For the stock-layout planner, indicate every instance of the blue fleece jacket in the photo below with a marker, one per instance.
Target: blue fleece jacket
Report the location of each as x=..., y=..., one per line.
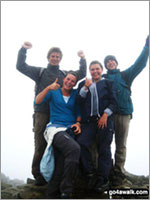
x=61, y=112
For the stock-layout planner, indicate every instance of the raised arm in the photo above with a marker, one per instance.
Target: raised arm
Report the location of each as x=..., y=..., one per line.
x=83, y=66
x=30, y=71
x=138, y=65
x=27, y=45
x=41, y=95
x=83, y=89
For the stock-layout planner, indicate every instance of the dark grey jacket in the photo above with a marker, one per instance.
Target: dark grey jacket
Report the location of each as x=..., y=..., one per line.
x=47, y=77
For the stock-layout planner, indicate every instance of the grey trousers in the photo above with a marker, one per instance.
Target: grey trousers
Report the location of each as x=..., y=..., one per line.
x=40, y=120
x=121, y=133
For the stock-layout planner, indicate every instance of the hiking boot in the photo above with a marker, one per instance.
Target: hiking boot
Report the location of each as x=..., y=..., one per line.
x=40, y=181
x=101, y=185
x=66, y=195
x=91, y=181
x=121, y=182
x=53, y=195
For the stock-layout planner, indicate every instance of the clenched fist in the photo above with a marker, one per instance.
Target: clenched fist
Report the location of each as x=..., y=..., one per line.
x=88, y=82
x=81, y=54
x=27, y=45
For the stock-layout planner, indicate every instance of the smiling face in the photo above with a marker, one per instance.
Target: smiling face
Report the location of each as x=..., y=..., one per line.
x=111, y=64
x=69, y=82
x=54, y=58
x=96, y=71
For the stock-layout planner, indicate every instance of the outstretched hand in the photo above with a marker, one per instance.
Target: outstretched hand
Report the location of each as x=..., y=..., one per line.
x=27, y=45
x=81, y=54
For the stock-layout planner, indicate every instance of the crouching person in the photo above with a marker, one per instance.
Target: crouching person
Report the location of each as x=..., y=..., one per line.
x=97, y=97
x=64, y=113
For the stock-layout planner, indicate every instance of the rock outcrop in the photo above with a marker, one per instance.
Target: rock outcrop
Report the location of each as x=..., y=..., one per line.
x=30, y=191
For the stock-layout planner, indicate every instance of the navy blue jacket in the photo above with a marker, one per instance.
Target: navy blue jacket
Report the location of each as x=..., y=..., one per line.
x=106, y=95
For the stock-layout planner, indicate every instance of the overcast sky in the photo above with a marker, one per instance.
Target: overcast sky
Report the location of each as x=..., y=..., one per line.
x=98, y=28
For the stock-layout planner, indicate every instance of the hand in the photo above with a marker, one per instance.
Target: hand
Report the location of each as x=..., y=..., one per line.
x=102, y=122
x=27, y=45
x=88, y=82
x=78, y=128
x=147, y=41
x=81, y=54
x=54, y=85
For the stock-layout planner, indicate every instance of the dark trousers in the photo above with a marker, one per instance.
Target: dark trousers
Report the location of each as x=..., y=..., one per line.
x=67, y=154
x=40, y=120
x=53, y=190
x=103, y=137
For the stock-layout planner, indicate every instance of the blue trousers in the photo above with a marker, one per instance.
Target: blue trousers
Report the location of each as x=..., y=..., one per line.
x=103, y=137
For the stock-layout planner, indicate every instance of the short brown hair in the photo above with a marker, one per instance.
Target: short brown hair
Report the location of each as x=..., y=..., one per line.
x=54, y=49
x=96, y=62
x=74, y=74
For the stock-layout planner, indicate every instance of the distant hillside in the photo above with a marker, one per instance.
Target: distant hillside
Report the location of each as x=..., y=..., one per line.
x=14, y=182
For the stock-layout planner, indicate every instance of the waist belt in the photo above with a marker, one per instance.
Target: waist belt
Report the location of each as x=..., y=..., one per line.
x=93, y=118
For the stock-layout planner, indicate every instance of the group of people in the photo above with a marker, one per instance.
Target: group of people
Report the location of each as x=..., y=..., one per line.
x=72, y=120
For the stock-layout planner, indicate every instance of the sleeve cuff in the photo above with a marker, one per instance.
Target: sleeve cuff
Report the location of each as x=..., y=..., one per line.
x=108, y=111
x=83, y=92
x=24, y=50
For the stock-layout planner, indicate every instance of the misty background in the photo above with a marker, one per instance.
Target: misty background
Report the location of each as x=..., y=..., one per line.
x=99, y=28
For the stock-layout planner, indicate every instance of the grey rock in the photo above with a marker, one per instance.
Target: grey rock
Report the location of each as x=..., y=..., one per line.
x=30, y=191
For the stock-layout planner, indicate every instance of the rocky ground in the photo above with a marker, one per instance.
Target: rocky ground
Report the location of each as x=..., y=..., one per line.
x=29, y=191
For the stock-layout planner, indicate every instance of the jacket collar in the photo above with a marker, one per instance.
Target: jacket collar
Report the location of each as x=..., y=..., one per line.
x=113, y=71
x=52, y=67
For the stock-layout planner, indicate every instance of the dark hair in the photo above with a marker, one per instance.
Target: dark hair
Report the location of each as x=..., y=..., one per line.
x=96, y=62
x=74, y=74
x=109, y=57
x=54, y=49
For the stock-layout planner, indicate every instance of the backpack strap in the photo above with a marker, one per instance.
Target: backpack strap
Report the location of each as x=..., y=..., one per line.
x=64, y=72
x=41, y=72
x=40, y=75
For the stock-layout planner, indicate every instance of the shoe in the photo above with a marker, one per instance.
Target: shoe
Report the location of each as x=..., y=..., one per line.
x=101, y=185
x=40, y=181
x=121, y=182
x=91, y=181
x=53, y=195
x=52, y=191
x=66, y=196
x=118, y=178
x=30, y=181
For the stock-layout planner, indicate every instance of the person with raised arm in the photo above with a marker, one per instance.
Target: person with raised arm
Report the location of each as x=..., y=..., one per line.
x=44, y=77
x=64, y=114
x=123, y=81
